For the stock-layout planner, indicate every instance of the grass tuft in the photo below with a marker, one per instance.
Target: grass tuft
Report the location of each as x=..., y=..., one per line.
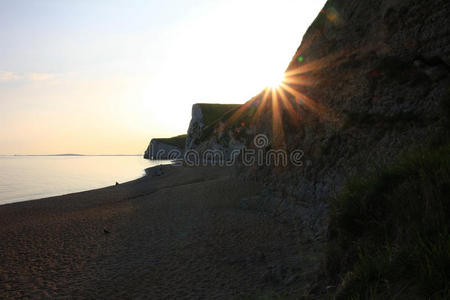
x=390, y=232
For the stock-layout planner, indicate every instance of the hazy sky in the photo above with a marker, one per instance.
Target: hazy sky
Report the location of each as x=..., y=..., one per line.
x=103, y=77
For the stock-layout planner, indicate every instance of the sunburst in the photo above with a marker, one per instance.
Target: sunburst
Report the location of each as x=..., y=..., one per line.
x=284, y=96
x=275, y=82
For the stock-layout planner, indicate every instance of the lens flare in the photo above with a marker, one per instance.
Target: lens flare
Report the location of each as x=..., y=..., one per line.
x=275, y=82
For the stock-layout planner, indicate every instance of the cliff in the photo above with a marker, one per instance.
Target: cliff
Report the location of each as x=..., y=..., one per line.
x=205, y=117
x=366, y=102
x=166, y=148
x=368, y=86
x=362, y=88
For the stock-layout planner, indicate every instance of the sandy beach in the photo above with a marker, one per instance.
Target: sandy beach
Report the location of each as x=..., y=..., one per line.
x=183, y=234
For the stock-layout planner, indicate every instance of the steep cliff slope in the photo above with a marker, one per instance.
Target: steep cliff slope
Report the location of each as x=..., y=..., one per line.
x=166, y=148
x=369, y=84
x=205, y=116
x=369, y=81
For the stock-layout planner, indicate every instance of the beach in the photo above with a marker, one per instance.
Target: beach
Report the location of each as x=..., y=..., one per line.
x=183, y=234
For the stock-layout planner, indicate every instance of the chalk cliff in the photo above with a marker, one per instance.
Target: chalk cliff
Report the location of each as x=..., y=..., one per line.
x=165, y=148
x=205, y=117
x=195, y=126
x=369, y=84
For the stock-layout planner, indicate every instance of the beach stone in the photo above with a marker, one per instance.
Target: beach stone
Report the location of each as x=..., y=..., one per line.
x=436, y=73
x=260, y=257
x=291, y=279
x=244, y=203
x=156, y=171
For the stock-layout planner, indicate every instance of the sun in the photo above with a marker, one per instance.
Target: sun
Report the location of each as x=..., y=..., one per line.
x=275, y=82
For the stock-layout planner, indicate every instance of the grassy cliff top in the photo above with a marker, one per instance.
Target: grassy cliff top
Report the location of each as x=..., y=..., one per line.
x=212, y=111
x=177, y=141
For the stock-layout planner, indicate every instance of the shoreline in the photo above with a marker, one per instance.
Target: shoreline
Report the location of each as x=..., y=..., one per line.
x=87, y=193
x=146, y=172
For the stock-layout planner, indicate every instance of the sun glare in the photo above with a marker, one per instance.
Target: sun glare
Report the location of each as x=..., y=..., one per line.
x=275, y=82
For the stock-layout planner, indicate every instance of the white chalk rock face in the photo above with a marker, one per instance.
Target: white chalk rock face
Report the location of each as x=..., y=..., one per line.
x=159, y=150
x=196, y=126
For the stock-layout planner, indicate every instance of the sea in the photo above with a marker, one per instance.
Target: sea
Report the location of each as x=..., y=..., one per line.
x=32, y=177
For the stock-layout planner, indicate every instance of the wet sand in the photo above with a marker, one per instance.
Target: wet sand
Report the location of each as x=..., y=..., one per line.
x=179, y=235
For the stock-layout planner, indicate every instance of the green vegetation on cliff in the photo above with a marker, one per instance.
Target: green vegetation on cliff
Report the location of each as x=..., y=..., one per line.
x=389, y=233
x=213, y=112
x=177, y=141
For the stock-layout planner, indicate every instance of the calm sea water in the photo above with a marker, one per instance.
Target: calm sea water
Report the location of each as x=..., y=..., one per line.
x=33, y=177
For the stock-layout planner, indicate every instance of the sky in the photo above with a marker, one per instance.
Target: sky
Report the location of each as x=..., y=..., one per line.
x=104, y=76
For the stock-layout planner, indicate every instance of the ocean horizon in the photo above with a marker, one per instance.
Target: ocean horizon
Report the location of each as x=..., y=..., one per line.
x=36, y=176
